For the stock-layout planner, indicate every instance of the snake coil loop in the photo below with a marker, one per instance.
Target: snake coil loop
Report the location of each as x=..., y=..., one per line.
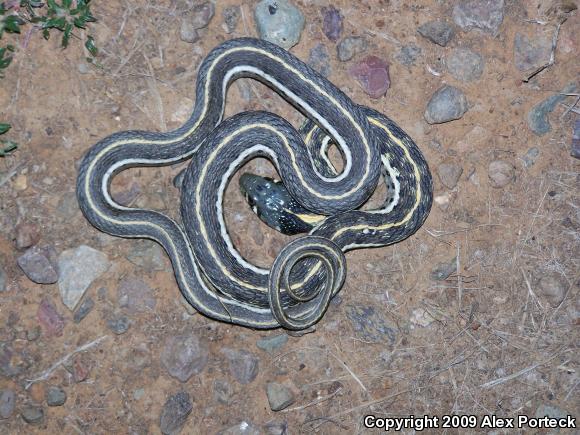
x=305, y=247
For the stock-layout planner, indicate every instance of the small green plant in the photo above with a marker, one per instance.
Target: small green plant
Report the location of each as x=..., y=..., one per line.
x=63, y=16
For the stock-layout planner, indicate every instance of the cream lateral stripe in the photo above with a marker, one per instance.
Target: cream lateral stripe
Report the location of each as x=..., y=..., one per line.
x=407, y=217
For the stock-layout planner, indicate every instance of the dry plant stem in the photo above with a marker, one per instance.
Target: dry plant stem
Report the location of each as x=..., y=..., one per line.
x=498, y=381
x=45, y=374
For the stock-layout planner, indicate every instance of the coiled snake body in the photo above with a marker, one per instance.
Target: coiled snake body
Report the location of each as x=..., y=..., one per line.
x=212, y=275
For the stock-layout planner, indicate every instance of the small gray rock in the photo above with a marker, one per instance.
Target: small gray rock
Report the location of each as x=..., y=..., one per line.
x=135, y=296
x=147, y=254
x=196, y=19
x=279, y=22
x=465, y=65
x=538, y=116
x=501, y=173
x=3, y=279
x=574, y=151
x=7, y=403
x=438, y=32
x=279, y=396
x=408, y=54
x=223, y=391
x=331, y=23
x=231, y=15
x=118, y=324
x=529, y=54
x=32, y=414
x=485, y=15
x=449, y=174
x=351, y=46
x=273, y=343
x=369, y=325
x=178, y=179
x=447, y=104
x=530, y=157
x=442, y=270
x=244, y=365
x=55, y=396
x=319, y=59
x=27, y=235
x=78, y=268
x=184, y=356
x=39, y=264
x=174, y=413
x=552, y=289
x=83, y=310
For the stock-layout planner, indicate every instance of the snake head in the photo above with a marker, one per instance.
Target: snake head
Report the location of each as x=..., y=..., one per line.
x=274, y=206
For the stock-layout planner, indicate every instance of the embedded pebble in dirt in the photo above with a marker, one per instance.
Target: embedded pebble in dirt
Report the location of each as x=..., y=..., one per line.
x=449, y=174
x=448, y=103
x=40, y=264
x=78, y=268
x=331, y=23
x=279, y=396
x=350, y=47
x=83, y=310
x=49, y=318
x=438, y=32
x=27, y=235
x=408, y=54
x=134, y=295
x=484, y=15
x=7, y=403
x=147, y=254
x=223, y=392
x=195, y=20
x=32, y=414
x=372, y=73
x=244, y=365
x=184, y=356
x=538, y=120
x=118, y=323
x=55, y=396
x=529, y=159
x=465, y=65
x=279, y=21
x=531, y=53
x=175, y=412
x=552, y=288
x=501, y=173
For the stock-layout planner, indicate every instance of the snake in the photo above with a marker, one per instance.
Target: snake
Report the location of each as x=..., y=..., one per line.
x=309, y=271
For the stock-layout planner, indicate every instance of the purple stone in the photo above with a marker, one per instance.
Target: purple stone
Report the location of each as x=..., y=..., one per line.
x=50, y=319
x=331, y=23
x=373, y=75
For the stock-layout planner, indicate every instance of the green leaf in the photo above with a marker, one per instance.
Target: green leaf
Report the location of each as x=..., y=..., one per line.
x=46, y=34
x=66, y=4
x=57, y=23
x=4, y=128
x=79, y=22
x=90, y=46
x=66, y=35
x=7, y=147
